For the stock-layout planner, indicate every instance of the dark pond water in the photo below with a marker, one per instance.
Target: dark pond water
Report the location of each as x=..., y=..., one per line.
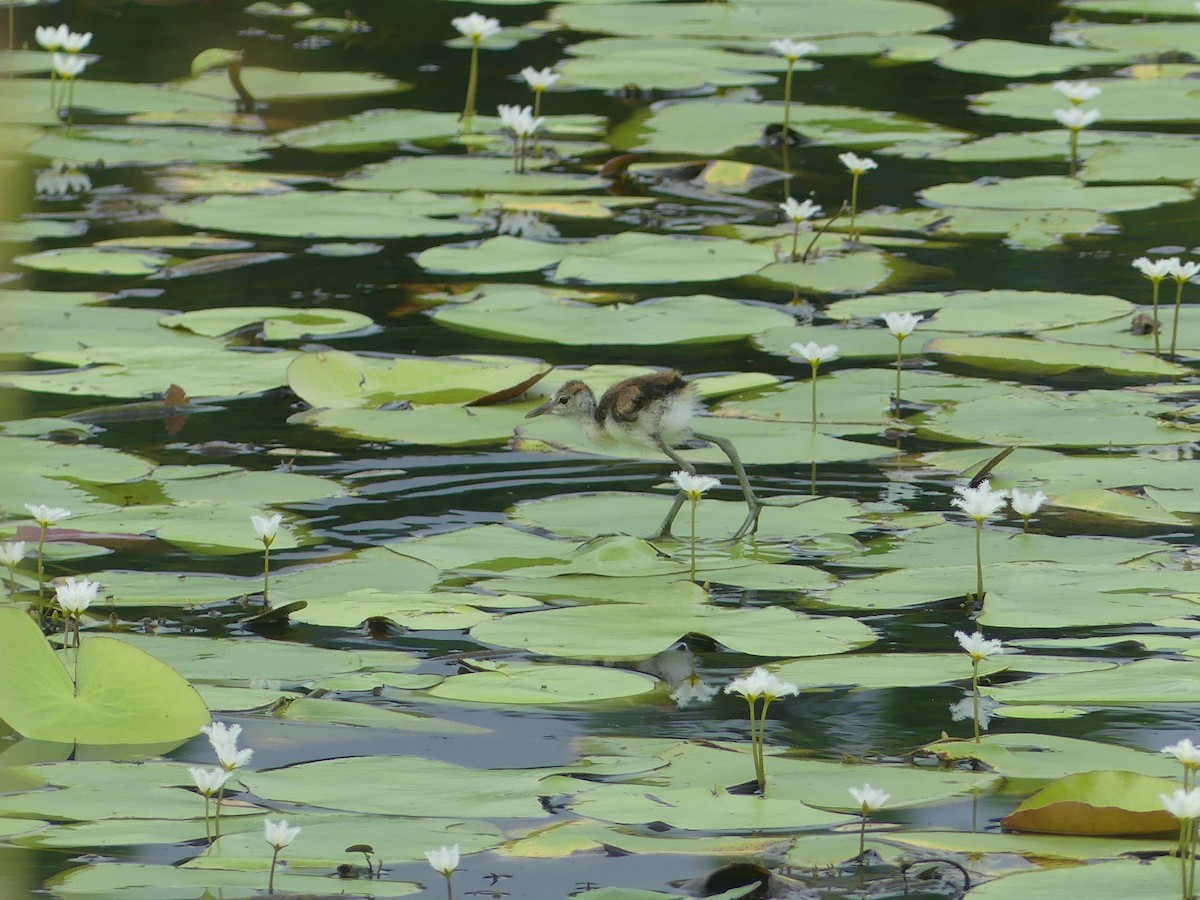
x=402, y=491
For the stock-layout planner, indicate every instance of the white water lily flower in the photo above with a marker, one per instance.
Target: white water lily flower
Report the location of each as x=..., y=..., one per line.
x=67, y=65
x=61, y=180
x=75, y=595
x=476, y=26
x=1076, y=118
x=693, y=485
x=859, y=165
x=869, y=798
x=1027, y=504
x=443, y=859
x=792, y=50
x=979, y=647
x=540, y=79
x=278, y=834
x=761, y=683
x=51, y=38
x=693, y=690
x=1184, y=751
x=46, y=515
x=815, y=353
x=1183, y=271
x=964, y=710
x=266, y=527
x=12, y=552
x=520, y=120
x=1155, y=270
x=799, y=212
x=74, y=41
x=223, y=739
x=208, y=781
x=1077, y=91
x=979, y=503
x=1182, y=804
x=901, y=324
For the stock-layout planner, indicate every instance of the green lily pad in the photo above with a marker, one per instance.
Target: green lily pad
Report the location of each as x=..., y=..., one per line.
x=1051, y=192
x=613, y=631
x=1013, y=59
x=1107, y=881
x=665, y=64
x=876, y=671
x=141, y=881
x=854, y=273
x=525, y=314
x=123, y=145
x=1123, y=100
x=94, y=261
x=431, y=426
x=326, y=214
x=994, y=311
x=627, y=258
x=343, y=380
x=1133, y=684
x=1039, y=419
x=464, y=174
x=112, y=694
x=520, y=685
x=1045, y=357
x=352, y=784
x=754, y=20
x=715, y=127
x=1097, y=803
x=273, y=84
x=1049, y=757
x=411, y=610
x=144, y=371
x=278, y=323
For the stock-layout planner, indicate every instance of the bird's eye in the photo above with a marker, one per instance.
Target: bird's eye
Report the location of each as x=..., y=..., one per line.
x=562, y=401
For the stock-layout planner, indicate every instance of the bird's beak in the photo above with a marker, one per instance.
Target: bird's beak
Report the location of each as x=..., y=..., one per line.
x=541, y=410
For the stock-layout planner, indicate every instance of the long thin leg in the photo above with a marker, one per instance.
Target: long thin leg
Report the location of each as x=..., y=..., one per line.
x=753, y=504
x=664, y=530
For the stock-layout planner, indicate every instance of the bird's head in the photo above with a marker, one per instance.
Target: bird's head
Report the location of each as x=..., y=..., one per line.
x=574, y=399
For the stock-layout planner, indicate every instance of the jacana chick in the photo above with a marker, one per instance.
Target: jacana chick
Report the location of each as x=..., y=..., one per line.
x=656, y=409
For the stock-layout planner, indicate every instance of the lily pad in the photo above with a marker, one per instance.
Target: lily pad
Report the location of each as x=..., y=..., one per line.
x=278, y=323
x=524, y=314
x=123, y=145
x=112, y=694
x=1051, y=192
x=273, y=84
x=539, y=685
x=94, y=261
x=1097, y=803
x=326, y=214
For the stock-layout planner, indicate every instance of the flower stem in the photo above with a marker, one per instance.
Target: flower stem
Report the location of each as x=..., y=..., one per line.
x=217, y=812
x=537, y=136
x=862, y=839
x=899, y=360
x=1175, y=323
x=266, y=576
x=814, y=395
x=12, y=579
x=795, y=239
x=755, y=743
x=975, y=697
x=695, y=503
x=41, y=567
x=1154, y=301
x=472, y=78
x=979, y=561
x=1074, y=151
x=449, y=890
x=762, y=743
x=853, y=205
x=207, y=823
x=787, y=103
x=271, y=880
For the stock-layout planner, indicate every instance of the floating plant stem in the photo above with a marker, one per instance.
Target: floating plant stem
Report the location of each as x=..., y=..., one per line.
x=445, y=861
x=901, y=325
x=266, y=527
x=1182, y=272
x=278, y=835
x=815, y=354
x=868, y=799
x=764, y=685
x=791, y=51
x=798, y=213
x=858, y=166
x=476, y=28
x=694, y=486
x=979, y=649
x=1156, y=270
